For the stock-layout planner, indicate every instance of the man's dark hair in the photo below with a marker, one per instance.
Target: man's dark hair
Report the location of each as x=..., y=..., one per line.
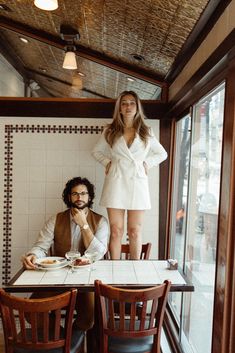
x=75, y=182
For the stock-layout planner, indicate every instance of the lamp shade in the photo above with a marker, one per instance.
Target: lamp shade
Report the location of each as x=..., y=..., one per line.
x=70, y=61
x=48, y=5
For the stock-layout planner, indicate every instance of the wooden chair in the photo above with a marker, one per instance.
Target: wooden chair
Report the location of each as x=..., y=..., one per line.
x=40, y=325
x=145, y=251
x=127, y=332
x=125, y=252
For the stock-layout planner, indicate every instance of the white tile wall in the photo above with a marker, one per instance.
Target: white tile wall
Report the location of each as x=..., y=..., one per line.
x=42, y=164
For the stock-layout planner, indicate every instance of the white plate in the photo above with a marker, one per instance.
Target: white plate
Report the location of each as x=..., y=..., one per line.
x=39, y=267
x=59, y=261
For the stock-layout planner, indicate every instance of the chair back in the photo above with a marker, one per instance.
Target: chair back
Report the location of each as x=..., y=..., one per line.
x=125, y=252
x=144, y=255
x=128, y=323
x=33, y=324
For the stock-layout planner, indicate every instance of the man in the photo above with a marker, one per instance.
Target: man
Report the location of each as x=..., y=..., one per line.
x=80, y=226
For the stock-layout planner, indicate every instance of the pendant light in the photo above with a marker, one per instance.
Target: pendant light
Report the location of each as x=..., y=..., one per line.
x=70, y=62
x=70, y=36
x=48, y=5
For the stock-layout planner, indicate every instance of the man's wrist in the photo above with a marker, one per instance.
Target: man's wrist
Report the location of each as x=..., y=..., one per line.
x=85, y=226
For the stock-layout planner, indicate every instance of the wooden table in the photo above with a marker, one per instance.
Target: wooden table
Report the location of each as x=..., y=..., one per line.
x=123, y=273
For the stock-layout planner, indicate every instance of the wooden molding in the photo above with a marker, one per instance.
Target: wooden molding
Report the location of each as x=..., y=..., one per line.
x=224, y=305
x=166, y=141
x=204, y=25
x=192, y=90
x=71, y=107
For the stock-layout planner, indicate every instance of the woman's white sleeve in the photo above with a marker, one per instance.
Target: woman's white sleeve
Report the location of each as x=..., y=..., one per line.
x=157, y=152
x=101, y=151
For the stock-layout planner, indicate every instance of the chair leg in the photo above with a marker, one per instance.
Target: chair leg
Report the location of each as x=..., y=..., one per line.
x=82, y=348
x=91, y=343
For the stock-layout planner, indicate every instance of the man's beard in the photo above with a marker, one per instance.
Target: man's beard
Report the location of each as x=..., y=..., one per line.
x=85, y=205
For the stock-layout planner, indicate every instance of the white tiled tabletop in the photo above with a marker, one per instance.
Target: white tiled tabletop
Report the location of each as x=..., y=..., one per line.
x=123, y=273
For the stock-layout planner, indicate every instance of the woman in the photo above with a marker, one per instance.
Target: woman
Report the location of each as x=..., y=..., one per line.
x=127, y=149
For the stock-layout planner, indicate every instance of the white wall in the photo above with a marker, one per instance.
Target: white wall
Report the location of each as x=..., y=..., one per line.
x=38, y=156
x=11, y=83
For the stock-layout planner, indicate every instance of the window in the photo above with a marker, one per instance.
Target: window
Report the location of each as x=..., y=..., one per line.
x=195, y=217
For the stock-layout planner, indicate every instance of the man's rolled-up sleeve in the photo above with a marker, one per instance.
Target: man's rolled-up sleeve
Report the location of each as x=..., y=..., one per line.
x=45, y=239
x=99, y=243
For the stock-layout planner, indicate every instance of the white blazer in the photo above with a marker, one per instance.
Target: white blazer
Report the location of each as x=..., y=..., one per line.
x=126, y=184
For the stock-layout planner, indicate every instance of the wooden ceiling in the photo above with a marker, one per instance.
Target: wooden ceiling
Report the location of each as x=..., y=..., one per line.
x=148, y=41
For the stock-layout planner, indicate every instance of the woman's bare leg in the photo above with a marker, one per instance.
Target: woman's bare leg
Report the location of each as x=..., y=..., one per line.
x=135, y=221
x=116, y=222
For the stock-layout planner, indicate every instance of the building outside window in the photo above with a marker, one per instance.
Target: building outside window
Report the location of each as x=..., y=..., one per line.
x=195, y=217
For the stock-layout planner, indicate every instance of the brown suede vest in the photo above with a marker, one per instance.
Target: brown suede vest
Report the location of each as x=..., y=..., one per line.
x=62, y=232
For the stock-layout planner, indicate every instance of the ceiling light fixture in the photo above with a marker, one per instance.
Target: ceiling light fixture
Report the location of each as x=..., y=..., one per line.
x=130, y=79
x=42, y=69
x=81, y=74
x=137, y=57
x=24, y=40
x=70, y=62
x=48, y=5
x=69, y=35
x=5, y=8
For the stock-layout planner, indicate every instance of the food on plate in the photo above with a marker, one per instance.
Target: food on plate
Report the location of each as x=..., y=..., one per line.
x=81, y=262
x=49, y=262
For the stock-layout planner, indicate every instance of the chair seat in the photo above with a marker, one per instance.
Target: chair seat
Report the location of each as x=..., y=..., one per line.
x=76, y=340
x=130, y=345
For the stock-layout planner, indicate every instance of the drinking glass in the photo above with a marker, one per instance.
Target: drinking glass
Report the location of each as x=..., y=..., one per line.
x=72, y=255
x=92, y=258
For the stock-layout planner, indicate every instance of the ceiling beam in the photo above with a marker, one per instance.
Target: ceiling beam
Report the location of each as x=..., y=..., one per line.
x=71, y=107
x=83, y=52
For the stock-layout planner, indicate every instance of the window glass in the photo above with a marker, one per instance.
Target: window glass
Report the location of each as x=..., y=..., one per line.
x=195, y=217
x=179, y=205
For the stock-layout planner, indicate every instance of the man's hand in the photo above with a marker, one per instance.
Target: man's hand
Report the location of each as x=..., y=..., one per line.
x=79, y=216
x=29, y=262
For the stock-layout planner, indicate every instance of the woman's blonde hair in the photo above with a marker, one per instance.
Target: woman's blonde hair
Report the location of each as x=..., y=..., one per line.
x=116, y=128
